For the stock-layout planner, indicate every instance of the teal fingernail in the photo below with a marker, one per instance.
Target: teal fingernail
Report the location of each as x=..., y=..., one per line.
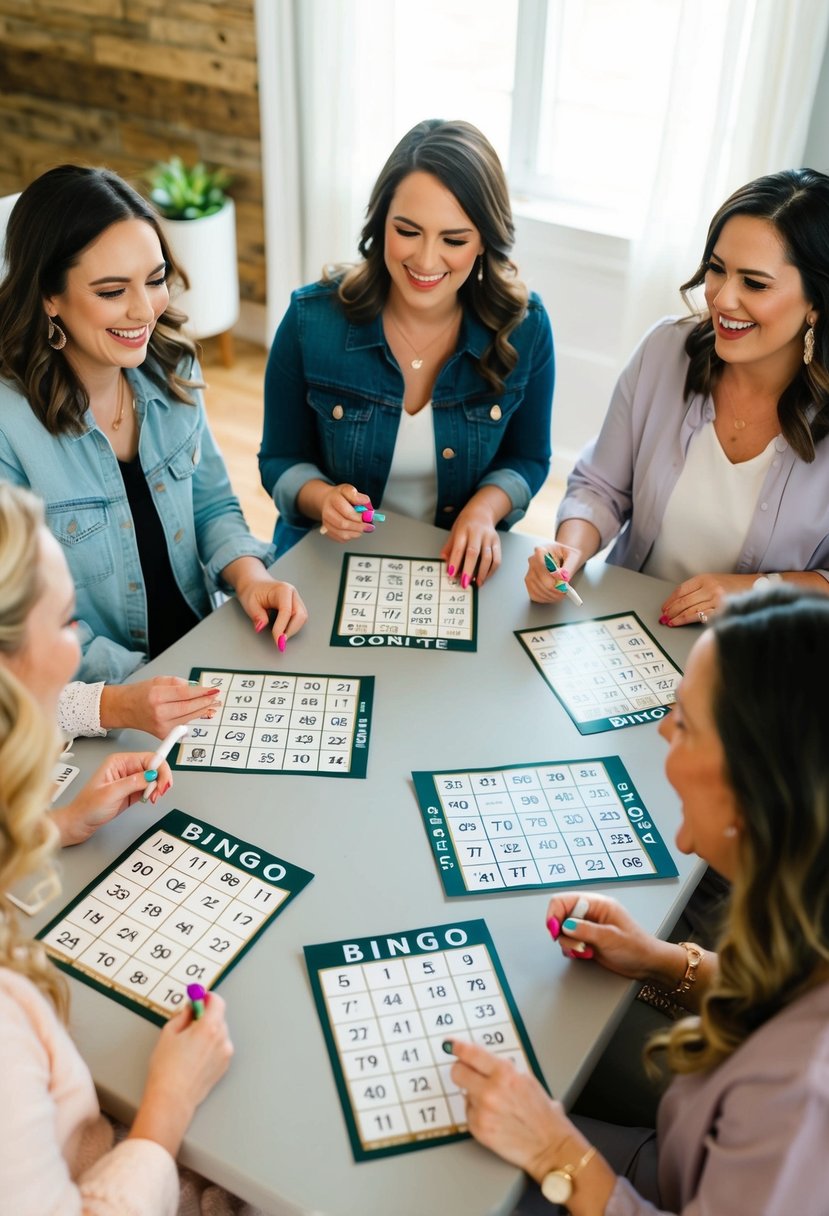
x=447, y=1047
x=570, y=924
x=150, y=774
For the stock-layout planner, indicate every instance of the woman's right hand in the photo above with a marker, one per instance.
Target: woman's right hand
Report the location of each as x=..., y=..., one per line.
x=156, y=705
x=189, y=1058
x=608, y=934
x=541, y=582
x=339, y=519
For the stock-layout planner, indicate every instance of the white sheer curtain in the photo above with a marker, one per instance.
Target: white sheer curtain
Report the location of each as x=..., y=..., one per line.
x=326, y=122
x=743, y=85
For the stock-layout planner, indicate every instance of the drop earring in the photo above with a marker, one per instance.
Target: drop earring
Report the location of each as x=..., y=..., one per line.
x=56, y=337
x=480, y=268
x=809, y=344
x=730, y=831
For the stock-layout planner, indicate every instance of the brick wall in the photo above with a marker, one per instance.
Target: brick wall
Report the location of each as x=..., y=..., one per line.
x=124, y=84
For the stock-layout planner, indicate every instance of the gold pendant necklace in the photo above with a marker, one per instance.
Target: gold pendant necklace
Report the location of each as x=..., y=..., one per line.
x=417, y=362
x=122, y=393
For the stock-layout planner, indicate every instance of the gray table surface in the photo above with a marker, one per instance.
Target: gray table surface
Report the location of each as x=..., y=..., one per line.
x=273, y=1130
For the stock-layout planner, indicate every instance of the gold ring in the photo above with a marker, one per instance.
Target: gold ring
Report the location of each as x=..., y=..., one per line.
x=703, y=617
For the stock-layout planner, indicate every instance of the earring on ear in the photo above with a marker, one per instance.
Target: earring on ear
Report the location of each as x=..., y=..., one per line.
x=730, y=831
x=480, y=268
x=56, y=337
x=809, y=343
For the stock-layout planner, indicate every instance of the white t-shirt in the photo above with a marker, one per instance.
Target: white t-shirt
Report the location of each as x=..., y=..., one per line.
x=709, y=512
x=412, y=487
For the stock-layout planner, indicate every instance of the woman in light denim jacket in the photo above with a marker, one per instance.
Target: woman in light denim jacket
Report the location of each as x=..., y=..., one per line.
x=101, y=414
x=430, y=343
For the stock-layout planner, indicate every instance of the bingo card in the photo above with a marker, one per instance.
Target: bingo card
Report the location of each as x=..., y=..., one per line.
x=282, y=723
x=607, y=673
x=180, y=906
x=403, y=601
x=539, y=825
x=386, y=1005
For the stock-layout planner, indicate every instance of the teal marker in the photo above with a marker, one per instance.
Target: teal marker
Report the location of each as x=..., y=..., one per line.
x=374, y=516
x=196, y=994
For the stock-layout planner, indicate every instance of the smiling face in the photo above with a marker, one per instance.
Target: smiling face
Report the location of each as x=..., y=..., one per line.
x=431, y=245
x=51, y=653
x=696, y=768
x=114, y=294
x=755, y=297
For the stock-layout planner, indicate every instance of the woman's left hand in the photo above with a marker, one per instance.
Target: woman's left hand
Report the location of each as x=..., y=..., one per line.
x=509, y=1111
x=699, y=598
x=473, y=549
x=117, y=784
x=262, y=595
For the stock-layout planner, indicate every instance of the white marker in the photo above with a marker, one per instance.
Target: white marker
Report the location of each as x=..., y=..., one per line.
x=164, y=748
x=582, y=907
x=553, y=567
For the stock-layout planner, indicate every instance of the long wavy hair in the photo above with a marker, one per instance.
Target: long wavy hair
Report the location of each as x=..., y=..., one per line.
x=55, y=219
x=465, y=162
x=774, y=729
x=796, y=202
x=28, y=747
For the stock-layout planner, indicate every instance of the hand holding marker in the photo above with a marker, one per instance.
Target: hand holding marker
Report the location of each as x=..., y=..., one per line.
x=554, y=568
x=580, y=910
x=196, y=993
x=370, y=516
x=175, y=735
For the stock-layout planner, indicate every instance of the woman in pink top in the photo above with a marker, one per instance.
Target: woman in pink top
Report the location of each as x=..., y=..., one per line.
x=56, y=1148
x=744, y=1125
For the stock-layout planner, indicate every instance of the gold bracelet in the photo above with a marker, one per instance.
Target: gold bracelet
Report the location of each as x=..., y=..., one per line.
x=557, y=1186
x=695, y=956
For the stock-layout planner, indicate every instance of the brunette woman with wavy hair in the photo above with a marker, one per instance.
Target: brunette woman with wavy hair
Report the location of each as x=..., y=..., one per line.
x=712, y=463
x=743, y=1127
x=421, y=378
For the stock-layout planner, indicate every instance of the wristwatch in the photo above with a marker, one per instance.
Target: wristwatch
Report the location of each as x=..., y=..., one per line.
x=557, y=1186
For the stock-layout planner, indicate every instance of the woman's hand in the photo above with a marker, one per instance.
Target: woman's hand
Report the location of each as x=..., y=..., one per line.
x=541, y=582
x=260, y=595
x=339, y=519
x=473, y=550
x=156, y=705
x=607, y=933
x=698, y=599
x=188, y=1060
x=117, y=784
x=509, y=1111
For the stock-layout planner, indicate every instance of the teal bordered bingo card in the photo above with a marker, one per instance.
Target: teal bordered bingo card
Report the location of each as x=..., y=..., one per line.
x=403, y=601
x=539, y=825
x=282, y=722
x=607, y=673
x=386, y=1005
x=180, y=906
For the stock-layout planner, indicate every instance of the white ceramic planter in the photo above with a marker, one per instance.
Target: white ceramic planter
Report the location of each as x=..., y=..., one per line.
x=206, y=249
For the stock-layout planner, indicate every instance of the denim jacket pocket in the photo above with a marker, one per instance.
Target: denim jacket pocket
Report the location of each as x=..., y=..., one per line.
x=487, y=417
x=185, y=462
x=80, y=528
x=342, y=421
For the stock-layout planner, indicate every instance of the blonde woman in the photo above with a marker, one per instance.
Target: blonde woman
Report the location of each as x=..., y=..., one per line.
x=744, y=1125
x=56, y=1148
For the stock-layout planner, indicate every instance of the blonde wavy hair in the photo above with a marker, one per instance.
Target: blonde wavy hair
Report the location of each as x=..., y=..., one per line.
x=774, y=727
x=28, y=747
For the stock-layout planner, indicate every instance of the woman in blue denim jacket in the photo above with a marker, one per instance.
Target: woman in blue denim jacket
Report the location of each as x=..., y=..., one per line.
x=101, y=415
x=420, y=379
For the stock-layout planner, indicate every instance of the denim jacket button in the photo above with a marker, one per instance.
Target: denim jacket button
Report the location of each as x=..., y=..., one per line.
x=448, y=453
x=495, y=413
x=160, y=487
x=178, y=535
x=337, y=412
x=72, y=526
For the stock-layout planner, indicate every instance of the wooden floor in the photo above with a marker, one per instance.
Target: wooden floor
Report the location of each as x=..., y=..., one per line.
x=234, y=399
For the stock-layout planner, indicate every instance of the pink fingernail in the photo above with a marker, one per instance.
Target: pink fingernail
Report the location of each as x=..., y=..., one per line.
x=450, y=570
x=464, y=581
x=260, y=625
x=664, y=620
x=281, y=642
x=368, y=528
x=368, y=515
x=564, y=575
x=554, y=925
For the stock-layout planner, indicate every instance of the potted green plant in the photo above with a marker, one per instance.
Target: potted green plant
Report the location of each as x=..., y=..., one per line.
x=199, y=221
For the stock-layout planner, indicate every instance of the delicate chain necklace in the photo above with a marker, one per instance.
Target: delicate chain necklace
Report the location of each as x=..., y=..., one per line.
x=739, y=424
x=122, y=395
x=417, y=362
